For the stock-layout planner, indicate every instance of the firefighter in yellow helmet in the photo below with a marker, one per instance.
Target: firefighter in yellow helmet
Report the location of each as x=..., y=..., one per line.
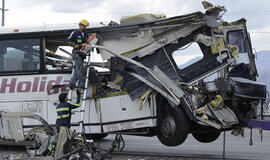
x=76, y=39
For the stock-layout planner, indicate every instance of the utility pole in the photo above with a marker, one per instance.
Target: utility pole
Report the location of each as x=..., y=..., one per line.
x=3, y=12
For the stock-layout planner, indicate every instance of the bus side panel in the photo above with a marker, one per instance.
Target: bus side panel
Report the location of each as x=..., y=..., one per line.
x=52, y=103
x=121, y=113
x=38, y=107
x=31, y=93
x=91, y=117
x=11, y=106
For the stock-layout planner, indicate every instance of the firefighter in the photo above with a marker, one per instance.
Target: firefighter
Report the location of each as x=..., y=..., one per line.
x=64, y=110
x=63, y=124
x=77, y=39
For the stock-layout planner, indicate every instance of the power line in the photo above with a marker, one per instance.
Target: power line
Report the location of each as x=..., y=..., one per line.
x=250, y=12
x=246, y=14
x=260, y=32
x=263, y=13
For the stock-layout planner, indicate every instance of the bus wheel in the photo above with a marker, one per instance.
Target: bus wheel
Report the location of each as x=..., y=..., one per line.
x=173, y=128
x=207, y=135
x=96, y=136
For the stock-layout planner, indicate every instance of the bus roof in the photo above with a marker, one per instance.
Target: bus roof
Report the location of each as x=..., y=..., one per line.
x=66, y=29
x=45, y=28
x=95, y=26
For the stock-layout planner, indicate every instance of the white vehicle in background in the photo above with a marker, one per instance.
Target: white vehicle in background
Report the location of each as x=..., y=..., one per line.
x=144, y=90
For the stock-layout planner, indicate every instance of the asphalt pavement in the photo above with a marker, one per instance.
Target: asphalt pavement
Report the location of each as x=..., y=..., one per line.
x=235, y=147
x=147, y=148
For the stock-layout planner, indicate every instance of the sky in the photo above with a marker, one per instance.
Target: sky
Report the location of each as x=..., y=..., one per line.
x=39, y=12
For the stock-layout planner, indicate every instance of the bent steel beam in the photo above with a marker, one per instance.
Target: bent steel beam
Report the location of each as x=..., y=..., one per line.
x=141, y=66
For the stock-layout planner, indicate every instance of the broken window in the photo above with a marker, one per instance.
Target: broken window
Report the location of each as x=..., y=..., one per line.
x=237, y=38
x=28, y=123
x=58, y=57
x=19, y=55
x=58, y=53
x=187, y=55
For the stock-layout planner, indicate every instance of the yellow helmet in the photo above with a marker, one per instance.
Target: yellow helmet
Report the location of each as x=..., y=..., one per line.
x=84, y=22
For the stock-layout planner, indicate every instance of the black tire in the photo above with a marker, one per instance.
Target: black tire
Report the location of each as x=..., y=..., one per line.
x=96, y=136
x=173, y=128
x=206, y=134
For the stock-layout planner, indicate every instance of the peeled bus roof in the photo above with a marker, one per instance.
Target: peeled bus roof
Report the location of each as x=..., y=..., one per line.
x=97, y=26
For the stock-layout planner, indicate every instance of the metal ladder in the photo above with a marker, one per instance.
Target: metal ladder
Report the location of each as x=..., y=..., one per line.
x=220, y=50
x=215, y=37
x=81, y=129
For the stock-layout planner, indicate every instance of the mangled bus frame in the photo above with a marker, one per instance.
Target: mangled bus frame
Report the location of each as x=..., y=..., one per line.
x=223, y=104
x=145, y=92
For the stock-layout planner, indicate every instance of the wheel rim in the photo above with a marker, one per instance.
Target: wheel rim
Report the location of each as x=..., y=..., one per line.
x=168, y=127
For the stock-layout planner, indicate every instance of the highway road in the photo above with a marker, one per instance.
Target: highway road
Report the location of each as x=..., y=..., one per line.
x=236, y=147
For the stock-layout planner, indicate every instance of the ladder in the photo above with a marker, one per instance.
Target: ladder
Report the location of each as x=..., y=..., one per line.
x=220, y=50
x=82, y=111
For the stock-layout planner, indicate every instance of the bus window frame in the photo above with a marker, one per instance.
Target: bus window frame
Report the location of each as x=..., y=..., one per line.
x=248, y=47
x=45, y=70
x=41, y=62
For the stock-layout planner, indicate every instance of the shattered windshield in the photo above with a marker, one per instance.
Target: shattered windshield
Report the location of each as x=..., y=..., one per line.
x=237, y=38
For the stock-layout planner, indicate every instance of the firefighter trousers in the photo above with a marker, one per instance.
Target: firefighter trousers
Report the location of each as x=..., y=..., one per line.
x=78, y=69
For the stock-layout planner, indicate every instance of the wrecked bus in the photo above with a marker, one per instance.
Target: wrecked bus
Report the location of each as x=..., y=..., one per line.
x=143, y=89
